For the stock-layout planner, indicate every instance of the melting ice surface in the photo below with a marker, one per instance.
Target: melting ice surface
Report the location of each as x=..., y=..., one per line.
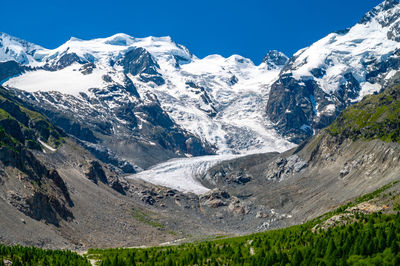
x=181, y=174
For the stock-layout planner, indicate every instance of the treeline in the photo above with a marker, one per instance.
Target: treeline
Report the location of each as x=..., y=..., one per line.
x=19, y=255
x=371, y=240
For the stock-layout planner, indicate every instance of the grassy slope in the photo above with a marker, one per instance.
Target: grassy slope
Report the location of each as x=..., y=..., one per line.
x=375, y=117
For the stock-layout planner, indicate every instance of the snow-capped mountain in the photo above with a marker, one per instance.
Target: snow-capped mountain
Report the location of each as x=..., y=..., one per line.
x=125, y=97
x=15, y=49
x=134, y=87
x=320, y=80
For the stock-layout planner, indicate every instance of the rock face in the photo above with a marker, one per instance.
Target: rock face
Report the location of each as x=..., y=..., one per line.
x=9, y=69
x=96, y=173
x=283, y=168
x=38, y=192
x=140, y=62
x=319, y=81
x=65, y=60
x=44, y=195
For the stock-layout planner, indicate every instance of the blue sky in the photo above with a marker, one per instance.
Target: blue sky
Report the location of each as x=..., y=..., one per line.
x=247, y=27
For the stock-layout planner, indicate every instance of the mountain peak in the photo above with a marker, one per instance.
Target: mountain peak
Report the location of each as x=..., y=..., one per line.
x=275, y=59
x=385, y=7
x=13, y=48
x=120, y=39
x=74, y=39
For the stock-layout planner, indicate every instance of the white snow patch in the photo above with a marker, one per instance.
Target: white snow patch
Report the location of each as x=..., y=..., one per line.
x=329, y=109
x=68, y=81
x=44, y=144
x=368, y=88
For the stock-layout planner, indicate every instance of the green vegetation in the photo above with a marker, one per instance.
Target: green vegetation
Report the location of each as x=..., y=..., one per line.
x=19, y=255
x=144, y=218
x=375, y=117
x=372, y=240
x=363, y=198
x=367, y=240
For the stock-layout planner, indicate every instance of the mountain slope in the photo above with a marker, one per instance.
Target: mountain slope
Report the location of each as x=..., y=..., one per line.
x=26, y=183
x=215, y=101
x=376, y=117
x=321, y=80
x=53, y=193
x=357, y=154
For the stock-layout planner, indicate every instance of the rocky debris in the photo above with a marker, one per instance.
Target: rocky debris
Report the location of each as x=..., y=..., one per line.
x=96, y=173
x=345, y=171
x=46, y=197
x=350, y=215
x=261, y=214
x=148, y=200
x=40, y=206
x=215, y=198
x=328, y=147
x=47, y=208
x=364, y=160
x=336, y=220
x=220, y=199
x=107, y=156
x=238, y=207
x=283, y=168
x=106, y=175
x=18, y=201
x=149, y=196
x=241, y=178
x=366, y=208
x=271, y=219
x=227, y=174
